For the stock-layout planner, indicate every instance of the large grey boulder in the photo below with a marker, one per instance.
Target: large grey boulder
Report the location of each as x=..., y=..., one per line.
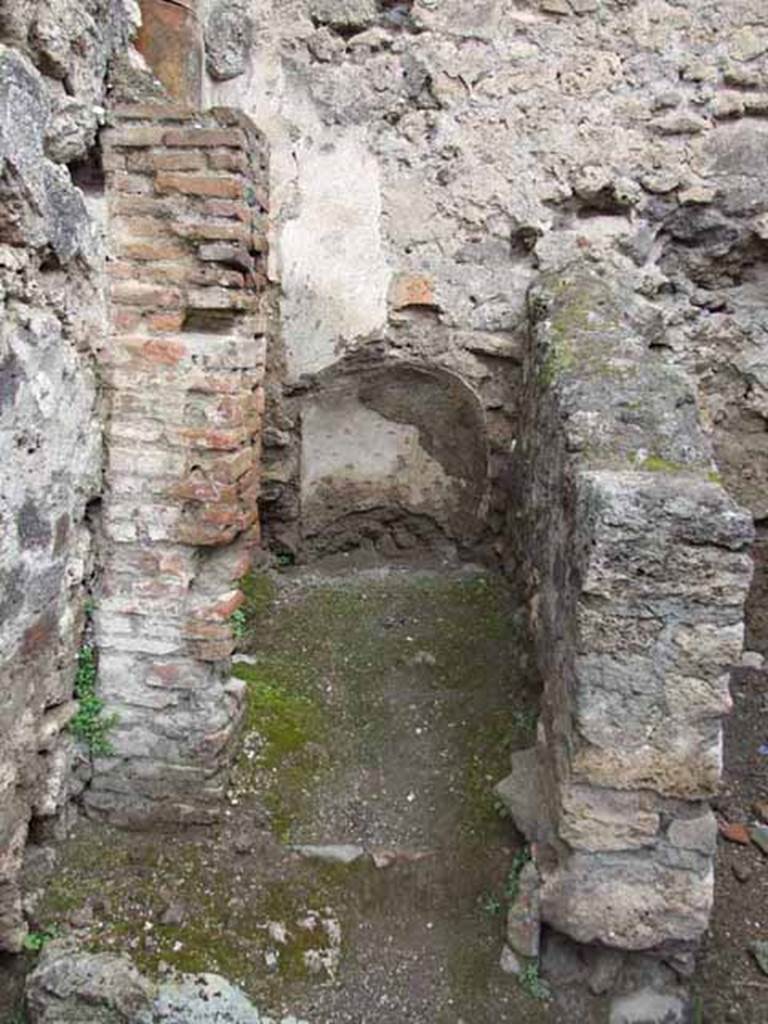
x=69, y=986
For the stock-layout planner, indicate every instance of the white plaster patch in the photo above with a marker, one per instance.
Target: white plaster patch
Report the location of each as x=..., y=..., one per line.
x=334, y=274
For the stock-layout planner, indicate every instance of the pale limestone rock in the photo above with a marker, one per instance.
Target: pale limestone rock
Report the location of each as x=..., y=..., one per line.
x=208, y=999
x=648, y=1007
x=747, y=43
x=627, y=902
x=69, y=986
x=680, y=123
x=753, y=659
x=699, y=834
x=339, y=853
x=595, y=819
x=508, y=962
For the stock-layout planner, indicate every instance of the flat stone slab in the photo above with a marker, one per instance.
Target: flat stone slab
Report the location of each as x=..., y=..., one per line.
x=648, y=1007
x=340, y=853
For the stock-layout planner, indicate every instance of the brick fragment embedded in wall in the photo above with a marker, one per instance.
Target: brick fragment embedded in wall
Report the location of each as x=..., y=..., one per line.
x=184, y=372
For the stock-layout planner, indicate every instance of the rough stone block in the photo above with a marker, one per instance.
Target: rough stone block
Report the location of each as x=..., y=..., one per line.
x=699, y=833
x=153, y=112
x=649, y=1007
x=521, y=793
x=594, y=819
x=223, y=252
x=627, y=902
x=228, y=208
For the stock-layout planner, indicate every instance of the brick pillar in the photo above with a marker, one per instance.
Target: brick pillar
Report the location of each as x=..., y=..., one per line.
x=183, y=374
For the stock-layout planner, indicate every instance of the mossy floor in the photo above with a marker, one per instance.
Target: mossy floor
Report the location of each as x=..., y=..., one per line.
x=382, y=708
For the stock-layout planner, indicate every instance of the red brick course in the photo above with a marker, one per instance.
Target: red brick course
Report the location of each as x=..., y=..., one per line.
x=223, y=187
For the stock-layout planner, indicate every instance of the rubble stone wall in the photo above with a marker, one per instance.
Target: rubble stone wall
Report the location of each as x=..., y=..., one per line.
x=466, y=147
x=53, y=64
x=183, y=372
x=636, y=569
x=477, y=146
x=428, y=162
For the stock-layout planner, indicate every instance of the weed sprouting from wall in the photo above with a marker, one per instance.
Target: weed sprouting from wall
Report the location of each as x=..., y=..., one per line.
x=520, y=859
x=91, y=725
x=532, y=982
x=239, y=622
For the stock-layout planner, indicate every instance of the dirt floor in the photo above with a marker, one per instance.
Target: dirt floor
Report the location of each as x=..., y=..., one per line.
x=382, y=707
x=730, y=985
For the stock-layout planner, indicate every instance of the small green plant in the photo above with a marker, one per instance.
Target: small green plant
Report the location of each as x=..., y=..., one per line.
x=558, y=360
x=90, y=725
x=532, y=982
x=656, y=464
x=490, y=905
x=501, y=808
x=285, y=559
x=525, y=720
x=35, y=941
x=19, y=1016
x=239, y=621
x=520, y=859
x=698, y=1010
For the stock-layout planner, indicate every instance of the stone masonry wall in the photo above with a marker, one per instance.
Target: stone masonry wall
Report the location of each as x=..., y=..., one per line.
x=183, y=372
x=54, y=57
x=460, y=148
x=428, y=161
x=636, y=565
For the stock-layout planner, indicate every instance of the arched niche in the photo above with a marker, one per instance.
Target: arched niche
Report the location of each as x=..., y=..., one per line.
x=394, y=455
